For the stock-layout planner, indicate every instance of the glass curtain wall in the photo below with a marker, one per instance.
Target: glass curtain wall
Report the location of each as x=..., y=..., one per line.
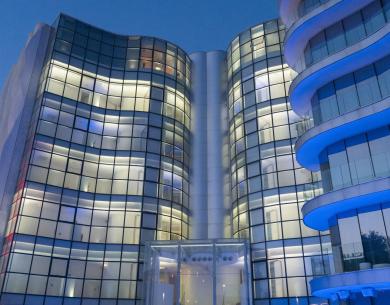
x=347, y=32
x=356, y=160
x=363, y=87
x=362, y=239
x=207, y=272
x=105, y=170
x=268, y=185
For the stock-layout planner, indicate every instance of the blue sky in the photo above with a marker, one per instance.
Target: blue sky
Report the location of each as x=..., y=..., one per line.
x=193, y=24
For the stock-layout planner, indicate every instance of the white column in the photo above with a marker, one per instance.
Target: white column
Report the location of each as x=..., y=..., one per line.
x=198, y=181
x=216, y=132
x=210, y=177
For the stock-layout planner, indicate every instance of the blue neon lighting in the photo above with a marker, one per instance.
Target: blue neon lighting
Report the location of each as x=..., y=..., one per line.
x=356, y=281
x=301, y=94
x=320, y=216
x=311, y=24
x=308, y=150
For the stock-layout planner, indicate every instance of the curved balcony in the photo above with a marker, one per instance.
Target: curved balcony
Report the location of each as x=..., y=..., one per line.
x=309, y=146
x=320, y=213
x=360, y=284
x=314, y=22
x=350, y=59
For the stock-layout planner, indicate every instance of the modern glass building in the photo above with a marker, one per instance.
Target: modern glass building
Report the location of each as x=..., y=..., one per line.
x=268, y=185
x=135, y=173
x=105, y=167
x=340, y=52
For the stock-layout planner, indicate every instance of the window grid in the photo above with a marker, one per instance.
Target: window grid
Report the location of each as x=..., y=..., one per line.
x=361, y=88
x=87, y=235
x=346, y=32
x=268, y=185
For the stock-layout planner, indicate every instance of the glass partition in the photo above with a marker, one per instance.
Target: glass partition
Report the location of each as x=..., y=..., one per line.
x=212, y=272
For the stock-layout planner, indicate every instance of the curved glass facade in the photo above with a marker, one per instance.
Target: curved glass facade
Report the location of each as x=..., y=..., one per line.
x=356, y=160
x=106, y=169
x=361, y=239
x=352, y=91
x=109, y=163
x=347, y=32
x=268, y=186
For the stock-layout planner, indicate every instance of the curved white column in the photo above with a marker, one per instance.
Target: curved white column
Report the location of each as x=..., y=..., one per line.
x=198, y=189
x=216, y=131
x=209, y=192
x=288, y=10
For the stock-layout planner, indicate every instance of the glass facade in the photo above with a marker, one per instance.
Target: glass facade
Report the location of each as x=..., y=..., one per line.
x=361, y=88
x=353, y=151
x=361, y=239
x=356, y=160
x=207, y=272
x=268, y=185
x=347, y=32
x=106, y=168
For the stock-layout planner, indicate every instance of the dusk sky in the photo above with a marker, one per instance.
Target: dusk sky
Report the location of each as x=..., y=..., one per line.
x=192, y=24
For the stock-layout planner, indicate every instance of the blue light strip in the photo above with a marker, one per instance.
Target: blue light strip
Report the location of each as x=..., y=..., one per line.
x=302, y=90
x=320, y=213
x=314, y=22
x=309, y=146
x=357, y=281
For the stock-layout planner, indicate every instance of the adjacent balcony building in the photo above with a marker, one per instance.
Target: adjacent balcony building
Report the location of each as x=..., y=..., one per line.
x=268, y=186
x=340, y=53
